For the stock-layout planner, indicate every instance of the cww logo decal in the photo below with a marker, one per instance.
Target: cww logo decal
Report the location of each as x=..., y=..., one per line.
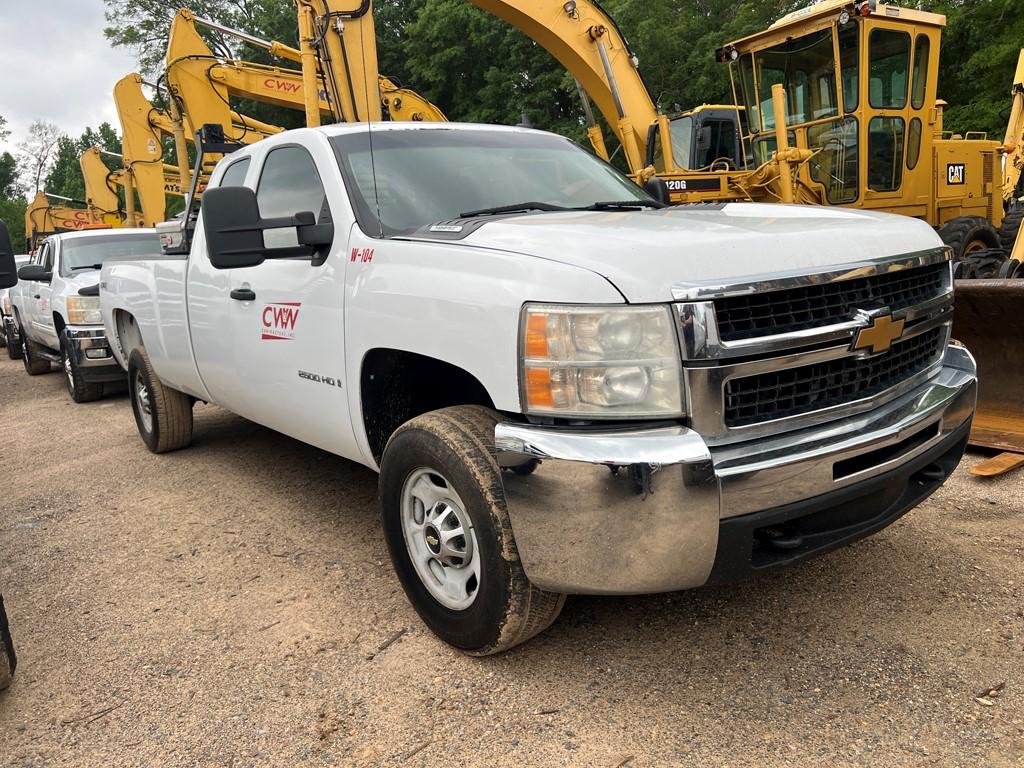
x=278, y=320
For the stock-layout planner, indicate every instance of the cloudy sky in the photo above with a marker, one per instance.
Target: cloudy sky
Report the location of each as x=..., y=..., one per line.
x=56, y=65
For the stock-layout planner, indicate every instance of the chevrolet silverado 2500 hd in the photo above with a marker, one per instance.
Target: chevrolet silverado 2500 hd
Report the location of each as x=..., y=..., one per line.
x=565, y=386
x=59, y=323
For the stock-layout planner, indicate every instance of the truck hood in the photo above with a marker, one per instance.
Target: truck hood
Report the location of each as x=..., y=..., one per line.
x=645, y=253
x=82, y=279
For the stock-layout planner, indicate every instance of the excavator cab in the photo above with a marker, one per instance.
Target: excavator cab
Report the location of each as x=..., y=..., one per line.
x=705, y=138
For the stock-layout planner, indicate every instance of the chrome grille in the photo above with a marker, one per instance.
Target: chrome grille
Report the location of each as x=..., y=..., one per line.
x=794, y=391
x=814, y=306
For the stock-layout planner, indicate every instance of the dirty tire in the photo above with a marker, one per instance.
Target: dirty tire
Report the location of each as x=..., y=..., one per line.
x=1009, y=228
x=459, y=444
x=966, y=234
x=13, y=344
x=8, y=661
x=34, y=364
x=979, y=264
x=80, y=390
x=170, y=411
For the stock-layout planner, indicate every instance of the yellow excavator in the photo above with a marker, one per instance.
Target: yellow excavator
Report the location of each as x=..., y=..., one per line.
x=49, y=213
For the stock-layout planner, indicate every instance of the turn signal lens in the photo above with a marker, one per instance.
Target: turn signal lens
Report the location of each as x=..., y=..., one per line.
x=600, y=362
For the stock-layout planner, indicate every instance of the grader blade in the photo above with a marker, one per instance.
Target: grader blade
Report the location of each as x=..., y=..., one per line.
x=986, y=322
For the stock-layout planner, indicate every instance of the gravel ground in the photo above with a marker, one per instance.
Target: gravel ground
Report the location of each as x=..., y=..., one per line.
x=233, y=604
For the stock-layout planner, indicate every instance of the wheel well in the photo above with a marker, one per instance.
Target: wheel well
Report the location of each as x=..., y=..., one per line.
x=128, y=336
x=396, y=386
x=58, y=323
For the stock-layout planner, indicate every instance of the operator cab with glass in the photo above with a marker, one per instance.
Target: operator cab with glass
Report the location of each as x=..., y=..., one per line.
x=860, y=86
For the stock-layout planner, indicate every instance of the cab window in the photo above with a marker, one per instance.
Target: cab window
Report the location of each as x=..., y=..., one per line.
x=889, y=51
x=849, y=66
x=836, y=164
x=45, y=258
x=234, y=176
x=289, y=184
x=885, y=153
x=920, y=72
x=805, y=67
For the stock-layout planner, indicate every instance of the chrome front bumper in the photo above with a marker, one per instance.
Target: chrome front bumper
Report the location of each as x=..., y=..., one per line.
x=635, y=511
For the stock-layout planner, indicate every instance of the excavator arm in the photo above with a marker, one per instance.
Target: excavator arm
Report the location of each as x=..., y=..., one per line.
x=587, y=42
x=1013, y=143
x=100, y=192
x=42, y=218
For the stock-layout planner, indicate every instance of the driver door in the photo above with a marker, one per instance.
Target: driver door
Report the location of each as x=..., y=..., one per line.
x=287, y=314
x=38, y=295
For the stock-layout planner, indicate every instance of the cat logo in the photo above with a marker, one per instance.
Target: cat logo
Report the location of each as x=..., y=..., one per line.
x=956, y=173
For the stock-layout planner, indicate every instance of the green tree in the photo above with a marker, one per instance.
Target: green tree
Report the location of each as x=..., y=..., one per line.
x=65, y=178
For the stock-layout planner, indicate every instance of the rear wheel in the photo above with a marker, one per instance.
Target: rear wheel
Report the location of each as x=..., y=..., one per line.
x=163, y=415
x=13, y=342
x=31, y=357
x=449, y=534
x=80, y=390
x=967, y=234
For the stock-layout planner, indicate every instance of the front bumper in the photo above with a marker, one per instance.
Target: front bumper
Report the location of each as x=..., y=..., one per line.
x=654, y=510
x=90, y=351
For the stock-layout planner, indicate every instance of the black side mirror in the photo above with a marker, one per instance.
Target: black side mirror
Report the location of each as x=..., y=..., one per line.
x=658, y=189
x=35, y=273
x=234, y=230
x=8, y=269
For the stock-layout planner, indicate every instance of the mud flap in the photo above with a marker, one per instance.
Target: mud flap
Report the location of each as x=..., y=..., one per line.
x=986, y=322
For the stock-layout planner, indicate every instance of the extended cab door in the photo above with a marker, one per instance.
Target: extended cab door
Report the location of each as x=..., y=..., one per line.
x=286, y=315
x=37, y=298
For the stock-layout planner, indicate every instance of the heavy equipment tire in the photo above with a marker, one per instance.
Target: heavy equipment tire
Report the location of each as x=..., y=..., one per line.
x=441, y=492
x=1009, y=228
x=80, y=390
x=34, y=364
x=966, y=234
x=1011, y=269
x=984, y=263
x=163, y=415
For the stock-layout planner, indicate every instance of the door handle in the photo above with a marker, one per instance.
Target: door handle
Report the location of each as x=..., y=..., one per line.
x=37, y=296
x=243, y=294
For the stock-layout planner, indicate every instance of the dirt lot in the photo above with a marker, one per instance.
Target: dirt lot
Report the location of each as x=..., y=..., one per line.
x=233, y=605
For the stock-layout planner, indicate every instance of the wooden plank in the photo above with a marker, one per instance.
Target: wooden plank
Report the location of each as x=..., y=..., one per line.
x=998, y=465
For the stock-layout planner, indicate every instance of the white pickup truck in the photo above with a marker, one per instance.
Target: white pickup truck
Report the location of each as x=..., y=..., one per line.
x=56, y=306
x=565, y=387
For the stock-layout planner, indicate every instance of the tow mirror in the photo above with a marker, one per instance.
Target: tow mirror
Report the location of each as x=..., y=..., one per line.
x=658, y=189
x=8, y=269
x=35, y=273
x=235, y=230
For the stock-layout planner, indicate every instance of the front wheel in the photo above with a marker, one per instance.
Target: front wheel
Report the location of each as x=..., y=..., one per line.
x=449, y=534
x=34, y=363
x=163, y=415
x=80, y=390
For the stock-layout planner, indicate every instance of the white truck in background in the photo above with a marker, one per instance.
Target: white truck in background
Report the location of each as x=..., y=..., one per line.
x=565, y=387
x=8, y=330
x=56, y=306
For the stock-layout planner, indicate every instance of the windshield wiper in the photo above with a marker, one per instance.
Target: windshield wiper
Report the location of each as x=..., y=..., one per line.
x=86, y=266
x=517, y=208
x=621, y=205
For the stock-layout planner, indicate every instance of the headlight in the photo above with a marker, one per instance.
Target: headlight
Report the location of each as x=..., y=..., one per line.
x=84, y=310
x=600, y=362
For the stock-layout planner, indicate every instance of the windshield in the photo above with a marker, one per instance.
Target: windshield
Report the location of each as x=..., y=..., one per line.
x=82, y=253
x=805, y=67
x=428, y=176
x=682, y=140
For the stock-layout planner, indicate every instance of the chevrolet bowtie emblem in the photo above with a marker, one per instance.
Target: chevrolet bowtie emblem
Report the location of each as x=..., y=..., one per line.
x=879, y=334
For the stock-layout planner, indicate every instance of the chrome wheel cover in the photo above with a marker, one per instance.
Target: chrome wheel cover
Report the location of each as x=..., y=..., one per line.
x=440, y=539
x=144, y=405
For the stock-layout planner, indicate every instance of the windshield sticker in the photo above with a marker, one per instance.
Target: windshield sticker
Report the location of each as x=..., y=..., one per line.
x=278, y=320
